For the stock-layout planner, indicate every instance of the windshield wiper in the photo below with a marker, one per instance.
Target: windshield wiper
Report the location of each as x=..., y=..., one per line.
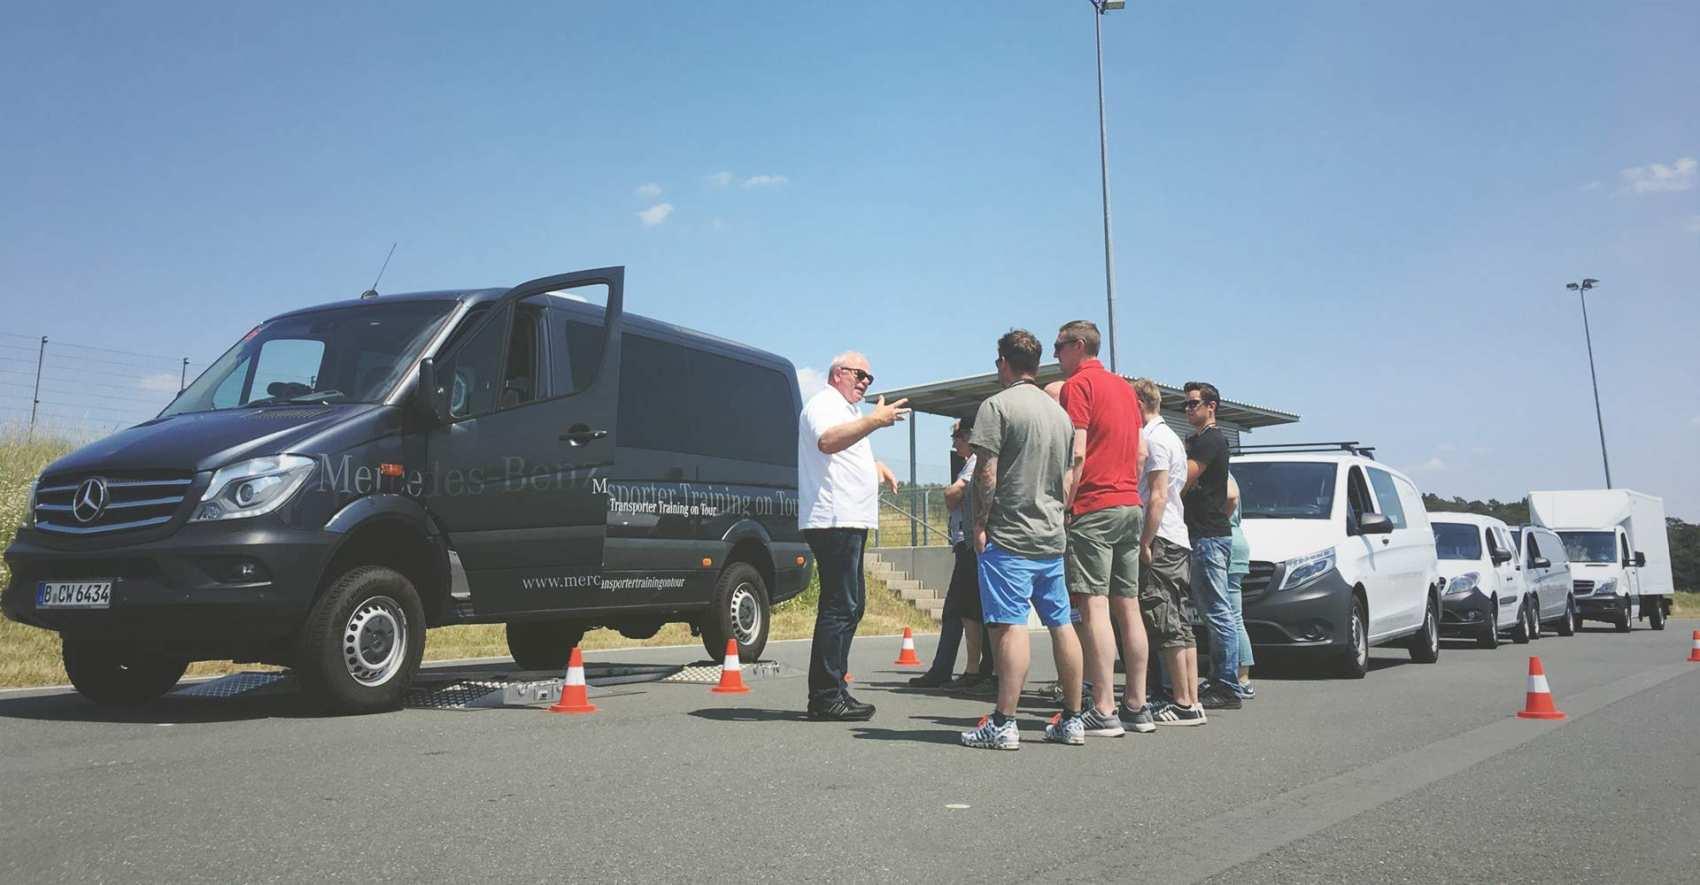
x=313, y=397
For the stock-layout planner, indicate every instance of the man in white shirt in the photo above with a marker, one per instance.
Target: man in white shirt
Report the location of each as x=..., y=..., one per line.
x=1165, y=552
x=838, y=502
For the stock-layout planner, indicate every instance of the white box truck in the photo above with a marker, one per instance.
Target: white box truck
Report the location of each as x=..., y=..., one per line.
x=1619, y=549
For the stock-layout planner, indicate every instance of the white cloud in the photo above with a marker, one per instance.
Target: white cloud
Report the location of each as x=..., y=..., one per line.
x=811, y=381
x=1432, y=465
x=1591, y=186
x=655, y=214
x=1657, y=178
x=648, y=190
x=766, y=181
x=719, y=179
x=159, y=382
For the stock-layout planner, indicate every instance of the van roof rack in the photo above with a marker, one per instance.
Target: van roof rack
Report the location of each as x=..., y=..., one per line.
x=1354, y=447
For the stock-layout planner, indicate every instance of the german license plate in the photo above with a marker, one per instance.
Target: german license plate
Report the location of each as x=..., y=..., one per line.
x=73, y=594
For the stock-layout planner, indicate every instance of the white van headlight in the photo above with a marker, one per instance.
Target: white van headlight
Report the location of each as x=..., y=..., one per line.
x=1305, y=569
x=1463, y=584
x=1608, y=587
x=253, y=487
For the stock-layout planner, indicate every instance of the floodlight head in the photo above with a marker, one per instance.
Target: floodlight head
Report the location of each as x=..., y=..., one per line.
x=1590, y=283
x=1110, y=5
x=1571, y=286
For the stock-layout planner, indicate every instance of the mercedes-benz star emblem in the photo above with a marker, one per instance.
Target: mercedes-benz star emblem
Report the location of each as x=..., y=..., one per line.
x=91, y=500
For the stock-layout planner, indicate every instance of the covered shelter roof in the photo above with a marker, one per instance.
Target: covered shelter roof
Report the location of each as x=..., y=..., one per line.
x=960, y=397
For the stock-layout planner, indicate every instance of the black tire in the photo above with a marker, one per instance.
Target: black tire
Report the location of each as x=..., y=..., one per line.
x=363, y=642
x=1425, y=643
x=1535, y=627
x=1567, y=624
x=115, y=674
x=740, y=610
x=1489, y=637
x=1523, y=635
x=543, y=645
x=1354, y=661
x=1655, y=615
x=1624, y=621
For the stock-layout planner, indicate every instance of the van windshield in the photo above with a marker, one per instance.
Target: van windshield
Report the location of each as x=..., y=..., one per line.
x=1285, y=489
x=342, y=355
x=1457, y=540
x=1590, y=546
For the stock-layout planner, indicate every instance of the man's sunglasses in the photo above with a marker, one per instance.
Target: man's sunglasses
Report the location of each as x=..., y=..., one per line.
x=1195, y=403
x=860, y=375
x=1057, y=348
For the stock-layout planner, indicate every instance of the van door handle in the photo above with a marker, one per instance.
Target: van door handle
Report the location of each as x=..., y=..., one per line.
x=579, y=434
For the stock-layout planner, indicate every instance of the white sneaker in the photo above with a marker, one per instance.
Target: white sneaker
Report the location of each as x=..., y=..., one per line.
x=991, y=736
x=1068, y=731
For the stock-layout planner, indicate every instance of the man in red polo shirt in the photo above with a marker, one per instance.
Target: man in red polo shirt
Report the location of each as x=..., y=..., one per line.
x=1105, y=518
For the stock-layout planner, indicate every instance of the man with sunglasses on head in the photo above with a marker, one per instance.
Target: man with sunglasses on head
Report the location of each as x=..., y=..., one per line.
x=1208, y=525
x=1105, y=518
x=1023, y=443
x=838, y=484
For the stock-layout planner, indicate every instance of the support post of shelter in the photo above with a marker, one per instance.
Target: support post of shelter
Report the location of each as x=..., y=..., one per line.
x=914, y=528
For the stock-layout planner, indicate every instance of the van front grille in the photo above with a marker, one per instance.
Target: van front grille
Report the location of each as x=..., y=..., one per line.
x=1583, y=588
x=98, y=504
x=1257, y=580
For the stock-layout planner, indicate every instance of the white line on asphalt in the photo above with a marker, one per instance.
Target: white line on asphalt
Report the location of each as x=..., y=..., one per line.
x=1251, y=831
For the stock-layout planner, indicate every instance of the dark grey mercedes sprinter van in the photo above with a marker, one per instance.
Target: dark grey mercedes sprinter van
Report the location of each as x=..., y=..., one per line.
x=347, y=475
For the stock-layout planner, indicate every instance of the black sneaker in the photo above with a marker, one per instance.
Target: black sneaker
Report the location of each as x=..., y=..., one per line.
x=928, y=680
x=841, y=710
x=1217, y=699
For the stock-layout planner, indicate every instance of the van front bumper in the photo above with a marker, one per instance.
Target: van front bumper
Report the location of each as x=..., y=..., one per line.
x=1315, y=616
x=181, y=591
x=1465, y=613
x=1601, y=607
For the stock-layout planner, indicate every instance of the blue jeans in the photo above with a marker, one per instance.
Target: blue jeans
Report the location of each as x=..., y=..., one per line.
x=843, y=598
x=1210, y=595
x=1246, y=660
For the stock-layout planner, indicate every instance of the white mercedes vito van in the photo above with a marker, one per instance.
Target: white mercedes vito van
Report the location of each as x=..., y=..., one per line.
x=1342, y=554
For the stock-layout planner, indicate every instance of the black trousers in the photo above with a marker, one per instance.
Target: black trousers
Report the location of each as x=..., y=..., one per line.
x=843, y=599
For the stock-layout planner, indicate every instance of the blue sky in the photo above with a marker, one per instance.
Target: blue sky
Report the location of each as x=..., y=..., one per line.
x=1363, y=213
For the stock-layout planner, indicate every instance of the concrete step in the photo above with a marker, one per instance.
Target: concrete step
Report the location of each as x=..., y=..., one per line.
x=932, y=608
x=902, y=584
x=919, y=596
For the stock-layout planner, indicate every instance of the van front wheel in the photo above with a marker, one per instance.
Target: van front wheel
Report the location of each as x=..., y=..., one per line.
x=740, y=611
x=1425, y=643
x=114, y=674
x=363, y=642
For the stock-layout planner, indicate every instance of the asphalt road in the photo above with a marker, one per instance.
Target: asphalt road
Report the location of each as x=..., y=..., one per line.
x=1417, y=773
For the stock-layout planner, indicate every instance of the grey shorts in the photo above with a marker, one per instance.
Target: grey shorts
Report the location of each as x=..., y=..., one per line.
x=1103, y=552
x=1165, y=595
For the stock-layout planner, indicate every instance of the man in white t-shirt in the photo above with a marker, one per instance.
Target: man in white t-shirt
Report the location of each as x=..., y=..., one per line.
x=1165, y=552
x=838, y=501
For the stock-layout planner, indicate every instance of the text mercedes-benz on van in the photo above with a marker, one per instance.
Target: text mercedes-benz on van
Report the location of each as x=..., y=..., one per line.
x=1342, y=555
x=347, y=475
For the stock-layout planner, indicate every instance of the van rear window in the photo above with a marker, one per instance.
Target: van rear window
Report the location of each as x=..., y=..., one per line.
x=680, y=399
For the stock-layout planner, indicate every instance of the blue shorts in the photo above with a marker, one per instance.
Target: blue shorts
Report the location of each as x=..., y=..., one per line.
x=1010, y=584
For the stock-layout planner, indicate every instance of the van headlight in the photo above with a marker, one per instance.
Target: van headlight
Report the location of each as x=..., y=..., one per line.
x=1463, y=584
x=1608, y=587
x=1305, y=569
x=253, y=487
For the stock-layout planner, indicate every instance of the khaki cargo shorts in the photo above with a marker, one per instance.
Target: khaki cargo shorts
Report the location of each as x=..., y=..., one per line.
x=1165, y=595
x=1103, y=552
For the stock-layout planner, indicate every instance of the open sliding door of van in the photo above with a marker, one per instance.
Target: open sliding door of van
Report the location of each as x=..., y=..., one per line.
x=520, y=468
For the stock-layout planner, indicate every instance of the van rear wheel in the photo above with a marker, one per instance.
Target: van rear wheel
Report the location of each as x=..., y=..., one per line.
x=740, y=611
x=116, y=674
x=363, y=642
x=543, y=645
x=1655, y=614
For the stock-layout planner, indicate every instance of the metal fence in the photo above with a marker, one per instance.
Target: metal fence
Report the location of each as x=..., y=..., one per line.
x=914, y=517
x=79, y=392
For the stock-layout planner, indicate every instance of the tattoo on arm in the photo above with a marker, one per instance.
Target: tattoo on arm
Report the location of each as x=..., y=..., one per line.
x=985, y=484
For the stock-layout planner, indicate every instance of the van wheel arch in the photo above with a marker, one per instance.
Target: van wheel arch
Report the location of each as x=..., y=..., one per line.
x=400, y=545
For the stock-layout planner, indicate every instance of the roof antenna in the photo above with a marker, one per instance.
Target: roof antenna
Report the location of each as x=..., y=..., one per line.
x=371, y=293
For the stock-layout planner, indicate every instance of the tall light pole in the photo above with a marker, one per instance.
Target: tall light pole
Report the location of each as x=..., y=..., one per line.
x=1099, y=9
x=1582, y=290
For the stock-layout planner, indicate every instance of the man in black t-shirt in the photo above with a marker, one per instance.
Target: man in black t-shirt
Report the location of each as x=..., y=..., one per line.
x=1205, y=501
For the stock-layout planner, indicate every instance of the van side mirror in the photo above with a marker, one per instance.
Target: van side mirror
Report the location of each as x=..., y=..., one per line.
x=1374, y=524
x=1640, y=559
x=1501, y=557
x=1542, y=562
x=427, y=398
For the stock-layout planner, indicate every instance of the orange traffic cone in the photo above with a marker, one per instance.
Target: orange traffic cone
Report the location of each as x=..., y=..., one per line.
x=1538, y=703
x=907, y=657
x=575, y=697
x=731, y=672
x=1694, y=654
